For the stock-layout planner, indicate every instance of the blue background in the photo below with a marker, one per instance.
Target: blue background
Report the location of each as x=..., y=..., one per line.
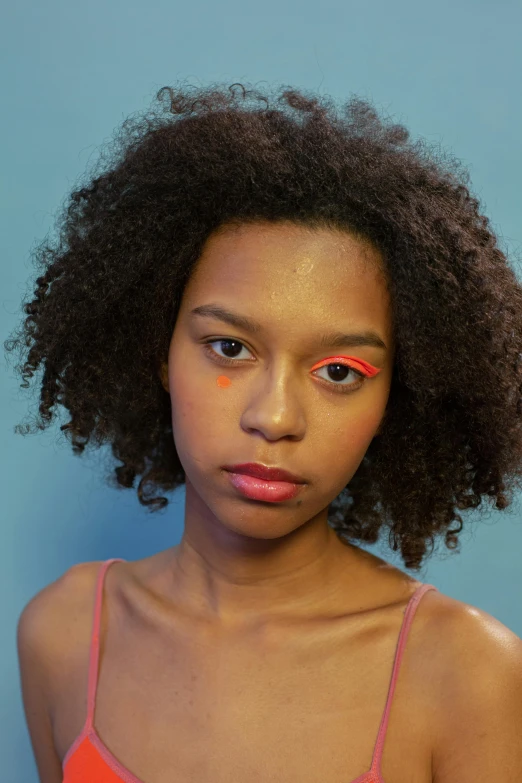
x=72, y=71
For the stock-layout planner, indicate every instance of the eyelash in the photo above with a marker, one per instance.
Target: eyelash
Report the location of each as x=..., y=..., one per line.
x=343, y=389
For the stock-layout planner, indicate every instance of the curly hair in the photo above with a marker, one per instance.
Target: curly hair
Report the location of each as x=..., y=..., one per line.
x=128, y=237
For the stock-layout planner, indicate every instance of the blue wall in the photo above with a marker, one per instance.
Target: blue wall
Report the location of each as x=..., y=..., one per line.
x=72, y=71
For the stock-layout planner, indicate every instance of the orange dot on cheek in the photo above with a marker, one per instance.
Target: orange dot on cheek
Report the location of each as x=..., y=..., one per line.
x=223, y=381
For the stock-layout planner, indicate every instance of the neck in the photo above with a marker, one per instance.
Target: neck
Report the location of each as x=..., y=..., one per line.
x=233, y=579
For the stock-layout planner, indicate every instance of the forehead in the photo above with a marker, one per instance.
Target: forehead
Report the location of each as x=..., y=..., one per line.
x=282, y=272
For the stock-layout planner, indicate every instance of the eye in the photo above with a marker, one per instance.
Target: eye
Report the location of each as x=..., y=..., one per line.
x=340, y=372
x=229, y=346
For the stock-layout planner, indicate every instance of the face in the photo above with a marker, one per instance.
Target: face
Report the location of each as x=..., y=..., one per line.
x=266, y=394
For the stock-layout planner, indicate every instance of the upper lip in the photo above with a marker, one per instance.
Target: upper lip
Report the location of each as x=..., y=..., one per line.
x=264, y=472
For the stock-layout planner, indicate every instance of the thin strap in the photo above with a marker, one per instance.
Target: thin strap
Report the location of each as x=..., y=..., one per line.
x=409, y=614
x=95, y=640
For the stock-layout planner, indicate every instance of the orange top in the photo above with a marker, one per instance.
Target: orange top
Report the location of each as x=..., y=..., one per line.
x=88, y=760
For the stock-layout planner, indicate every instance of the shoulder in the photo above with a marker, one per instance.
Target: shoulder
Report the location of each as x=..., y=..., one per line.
x=473, y=663
x=460, y=632
x=54, y=621
x=40, y=617
x=49, y=630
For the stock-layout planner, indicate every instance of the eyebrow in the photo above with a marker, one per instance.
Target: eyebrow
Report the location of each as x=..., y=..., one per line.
x=327, y=340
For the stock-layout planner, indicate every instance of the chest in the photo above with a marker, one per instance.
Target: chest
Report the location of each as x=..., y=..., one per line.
x=296, y=706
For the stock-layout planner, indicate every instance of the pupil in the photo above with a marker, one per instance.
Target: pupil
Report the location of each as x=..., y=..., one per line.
x=230, y=342
x=340, y=372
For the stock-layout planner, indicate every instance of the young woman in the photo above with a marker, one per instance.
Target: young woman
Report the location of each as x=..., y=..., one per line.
x=301, y=315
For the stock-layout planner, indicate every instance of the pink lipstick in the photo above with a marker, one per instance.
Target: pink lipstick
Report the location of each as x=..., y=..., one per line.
x=259, y=482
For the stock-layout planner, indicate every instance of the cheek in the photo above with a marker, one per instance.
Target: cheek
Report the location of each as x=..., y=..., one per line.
x=362, y=428
x=349, y=434
x=223, y=381
x=201, y=409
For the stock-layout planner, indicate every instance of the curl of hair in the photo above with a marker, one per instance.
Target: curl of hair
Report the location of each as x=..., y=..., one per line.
x=111, y=282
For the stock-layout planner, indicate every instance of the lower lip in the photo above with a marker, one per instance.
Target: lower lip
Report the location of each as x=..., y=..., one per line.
x=260, y=489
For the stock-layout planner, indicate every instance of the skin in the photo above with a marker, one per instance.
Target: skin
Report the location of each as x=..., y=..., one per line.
x=238, y=558
x=262, y=625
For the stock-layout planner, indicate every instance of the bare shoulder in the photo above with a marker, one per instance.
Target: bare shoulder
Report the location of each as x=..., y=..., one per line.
x=42, y=618
x=474, y=665
x=458, y=630
x=45, y=639
x=54, y=620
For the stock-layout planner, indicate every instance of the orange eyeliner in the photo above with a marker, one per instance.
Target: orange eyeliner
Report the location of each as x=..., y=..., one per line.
x=366, y=368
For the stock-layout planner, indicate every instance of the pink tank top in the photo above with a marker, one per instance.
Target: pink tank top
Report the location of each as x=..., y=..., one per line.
x=88, y=760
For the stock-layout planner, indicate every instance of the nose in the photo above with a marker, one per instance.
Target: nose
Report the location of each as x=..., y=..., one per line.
x=275, y=404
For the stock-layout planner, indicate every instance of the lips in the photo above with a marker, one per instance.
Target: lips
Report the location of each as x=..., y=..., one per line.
x=261, y=483
x=257, y=470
